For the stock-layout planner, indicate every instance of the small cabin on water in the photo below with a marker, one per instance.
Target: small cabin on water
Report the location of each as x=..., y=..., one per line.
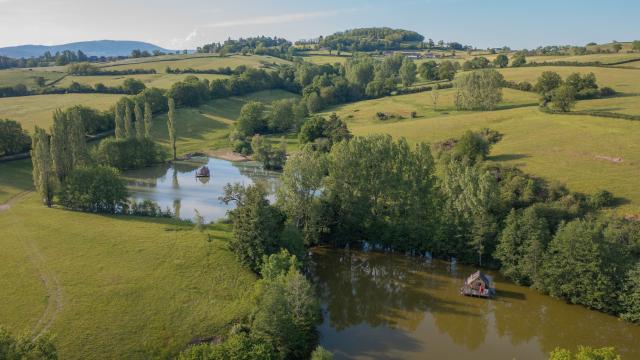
x=478, y=284
x=203, y=172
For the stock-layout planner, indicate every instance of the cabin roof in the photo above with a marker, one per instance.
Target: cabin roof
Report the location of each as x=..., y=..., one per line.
x=478, y=275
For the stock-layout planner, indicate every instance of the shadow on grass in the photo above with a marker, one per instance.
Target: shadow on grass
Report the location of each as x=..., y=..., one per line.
x=508, y=157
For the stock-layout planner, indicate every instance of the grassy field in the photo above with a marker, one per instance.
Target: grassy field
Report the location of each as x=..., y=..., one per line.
x=15, y=178
x=621, y=80
x=116, y=287
x=364, y=112
x=207, y=127
x=622, y=104
x=12, y=77
x=603, y=58
x=196, y=62
x=565, y=148
x=162, y=80
x=37, y=110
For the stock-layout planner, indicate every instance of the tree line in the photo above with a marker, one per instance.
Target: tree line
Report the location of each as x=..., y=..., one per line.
x=87, y=69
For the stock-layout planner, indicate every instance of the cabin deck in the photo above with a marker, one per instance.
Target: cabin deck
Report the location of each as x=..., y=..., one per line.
x=486, y=293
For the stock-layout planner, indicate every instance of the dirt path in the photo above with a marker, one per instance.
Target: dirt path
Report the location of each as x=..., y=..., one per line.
x=49, y=279
x=12, y=200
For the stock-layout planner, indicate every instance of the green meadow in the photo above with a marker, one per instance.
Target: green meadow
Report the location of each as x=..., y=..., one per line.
x=38, y=110
x=121, y=287
x=201, y=62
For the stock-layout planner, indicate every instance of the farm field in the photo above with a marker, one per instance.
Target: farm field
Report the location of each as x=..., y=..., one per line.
x=142, y=289
x=12, y=77
x=161, y=80
x=207, y=127
x=159, y=64
x=620, y=104
x=325, y=59
x=621, y=80
x=572, y=149
x=603, y=58
x=37, y=110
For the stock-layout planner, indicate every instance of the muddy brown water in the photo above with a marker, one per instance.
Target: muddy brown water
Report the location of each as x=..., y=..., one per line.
x=391, y=306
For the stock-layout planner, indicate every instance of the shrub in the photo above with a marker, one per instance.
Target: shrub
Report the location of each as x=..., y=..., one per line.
x=24, y=348
x=94, y=189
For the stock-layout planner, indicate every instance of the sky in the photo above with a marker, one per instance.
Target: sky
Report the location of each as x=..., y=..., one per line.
x=186, y=24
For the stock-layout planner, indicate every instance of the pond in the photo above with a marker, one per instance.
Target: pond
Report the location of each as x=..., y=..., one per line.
x=175, y=186
x=390, y=306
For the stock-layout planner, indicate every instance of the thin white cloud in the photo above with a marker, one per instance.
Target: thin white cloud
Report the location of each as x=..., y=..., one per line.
x=277, y=19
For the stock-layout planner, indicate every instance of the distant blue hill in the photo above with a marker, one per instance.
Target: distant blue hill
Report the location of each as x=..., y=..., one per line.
x=90, y=48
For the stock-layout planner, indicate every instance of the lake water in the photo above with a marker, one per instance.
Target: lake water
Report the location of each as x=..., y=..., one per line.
x=390, y=306
x=176, y=187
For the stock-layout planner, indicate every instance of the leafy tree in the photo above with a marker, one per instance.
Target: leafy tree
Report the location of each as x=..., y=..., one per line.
x=631, y=295
x=446, y=71
x=584, y=268
x=252, y=119
x=271, y=159
x=95, y=189
x=238, y=346
x=522, y=245
x=357, y=192
x=547, y=83
x=13, y=139
x=501, y=61
x=564, y=98
x=140, y=132
x=128, y=122
x=471, y=201
x=314, y=102
x=479, y=90
x=133, y=86
x=428, y=70
x=127, y=154
x=257, y=225
x=472, y=147
x=321, y=353
x=617, y=47
x=62, y=159
x=172, y=128
x=298, y=194
x=287, y=313
x=43, y=177
x=24, y=348
x=119, y=124
x=408, y=72
x=40, y=81
x=635, y=45
x=282, y=117
x=519, y=60
x=148, y=119
x=333, y=130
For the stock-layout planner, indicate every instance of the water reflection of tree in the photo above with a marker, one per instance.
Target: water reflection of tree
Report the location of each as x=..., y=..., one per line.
x=177, y=204
x=270, y=180
x=387, y=290
x=187, y=166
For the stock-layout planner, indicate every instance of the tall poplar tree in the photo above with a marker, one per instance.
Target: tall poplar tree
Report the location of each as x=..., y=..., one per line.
x=171, y=126
x=42, y=166
x=120, y=134
x=77, y=140
x=128, y=121
x=139, y=121
x=148, y=119
x=62, y=161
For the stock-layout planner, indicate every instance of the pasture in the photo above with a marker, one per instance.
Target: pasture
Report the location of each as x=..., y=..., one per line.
x=575, y=150
x=38, y=110
x=27, y=77
x=621, y=80
x=201, y=62
x=161, y=80
x=116, y=287
x=207, y=127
